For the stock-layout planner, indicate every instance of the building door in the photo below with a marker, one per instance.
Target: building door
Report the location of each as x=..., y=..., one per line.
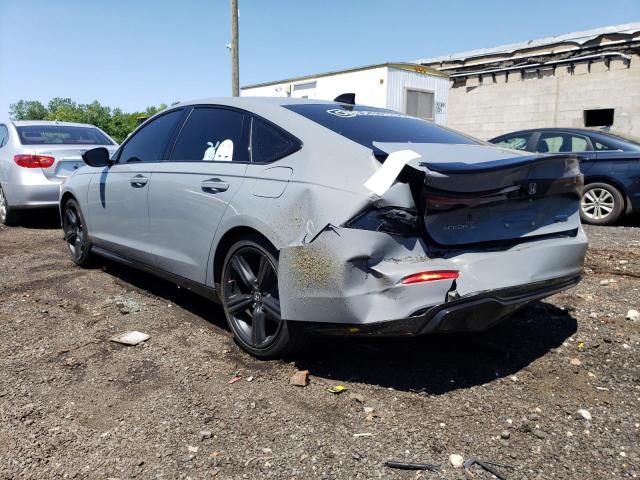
x=420, y=103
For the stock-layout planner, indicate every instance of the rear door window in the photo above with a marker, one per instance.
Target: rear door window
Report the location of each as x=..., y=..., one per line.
x=149, y=143
x=270, y=143
x=515, y=142
x=562, y=143
x=212, y=135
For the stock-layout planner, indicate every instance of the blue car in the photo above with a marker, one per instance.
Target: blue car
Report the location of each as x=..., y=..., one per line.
x=610, y=165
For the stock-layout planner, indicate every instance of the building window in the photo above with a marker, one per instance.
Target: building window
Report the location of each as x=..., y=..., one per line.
x=602, y=117
x=304, y=86
x=420, y=104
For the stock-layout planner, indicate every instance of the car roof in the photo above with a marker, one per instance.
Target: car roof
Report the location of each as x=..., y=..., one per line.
x=26, y=123
x=582, y=131
x=247, y=102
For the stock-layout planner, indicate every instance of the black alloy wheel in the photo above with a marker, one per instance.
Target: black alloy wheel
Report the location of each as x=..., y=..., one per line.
x=251, y=299
x=75, y=234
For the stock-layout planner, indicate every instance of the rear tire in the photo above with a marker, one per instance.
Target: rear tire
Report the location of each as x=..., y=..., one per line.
x=251, y=301
x=601, y=204
x=8, y=216
x=76, y=235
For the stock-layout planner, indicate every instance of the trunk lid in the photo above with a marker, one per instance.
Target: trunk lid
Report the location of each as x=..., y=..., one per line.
x=469, y=194
x=67, y=158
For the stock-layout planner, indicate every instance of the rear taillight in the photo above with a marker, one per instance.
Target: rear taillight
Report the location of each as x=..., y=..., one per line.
x=33, y=161
x=430, y=276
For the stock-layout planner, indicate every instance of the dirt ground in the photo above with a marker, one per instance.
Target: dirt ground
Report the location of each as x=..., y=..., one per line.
x=553, y=392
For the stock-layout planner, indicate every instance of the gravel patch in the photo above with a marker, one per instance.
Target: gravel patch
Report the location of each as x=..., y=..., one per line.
x=553, y=392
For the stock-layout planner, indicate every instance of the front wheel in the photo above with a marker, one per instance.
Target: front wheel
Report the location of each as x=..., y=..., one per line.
x=75, y=234
x=251, y=300
x=602, y=204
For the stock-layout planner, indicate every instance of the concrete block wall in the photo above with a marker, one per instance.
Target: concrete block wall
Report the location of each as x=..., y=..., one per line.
x=490, y=105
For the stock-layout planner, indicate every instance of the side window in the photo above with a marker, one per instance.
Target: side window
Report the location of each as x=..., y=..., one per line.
x=599, y=146
x=579, y=144
x=561, y=143
x=4, y=136
x=515, y=142
x=148, y=144
x=211, y=134
x=269, y=143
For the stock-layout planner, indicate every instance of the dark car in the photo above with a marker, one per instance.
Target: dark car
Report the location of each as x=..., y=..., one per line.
x=610, y=165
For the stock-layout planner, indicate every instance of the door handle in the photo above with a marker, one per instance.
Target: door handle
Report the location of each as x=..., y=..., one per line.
x=138, y=181
x=215, y=185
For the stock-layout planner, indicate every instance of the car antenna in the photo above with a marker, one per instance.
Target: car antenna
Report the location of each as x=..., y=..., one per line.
x=348, y=98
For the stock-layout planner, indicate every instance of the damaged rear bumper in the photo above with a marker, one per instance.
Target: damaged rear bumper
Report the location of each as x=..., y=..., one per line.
x=353, y=278
x=472, y=313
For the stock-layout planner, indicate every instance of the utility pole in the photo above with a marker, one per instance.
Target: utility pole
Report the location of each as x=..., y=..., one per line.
x=235, y=75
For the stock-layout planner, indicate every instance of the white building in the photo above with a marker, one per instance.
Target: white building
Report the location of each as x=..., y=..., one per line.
x=405, y=87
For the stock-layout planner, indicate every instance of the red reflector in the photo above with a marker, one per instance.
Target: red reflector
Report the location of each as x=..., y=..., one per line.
x=430, y=276
x=33, y=161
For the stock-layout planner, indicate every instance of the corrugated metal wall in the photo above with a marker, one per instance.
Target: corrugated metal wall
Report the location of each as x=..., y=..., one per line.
x=399, y=80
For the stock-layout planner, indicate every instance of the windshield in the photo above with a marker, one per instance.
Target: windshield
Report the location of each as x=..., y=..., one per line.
x=61, y=135
x=365, y=125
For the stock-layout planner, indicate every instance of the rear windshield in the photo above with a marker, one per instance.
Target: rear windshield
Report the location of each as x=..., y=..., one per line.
x=365, y=125
x=62, y=135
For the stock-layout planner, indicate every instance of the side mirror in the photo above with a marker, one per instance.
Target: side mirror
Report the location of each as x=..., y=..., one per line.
x=97, y=157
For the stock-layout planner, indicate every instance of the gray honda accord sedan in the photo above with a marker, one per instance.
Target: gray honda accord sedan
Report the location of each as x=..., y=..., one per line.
x=303, y=215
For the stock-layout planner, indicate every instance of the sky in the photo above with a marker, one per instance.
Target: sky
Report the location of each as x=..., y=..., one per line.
x=136, y=53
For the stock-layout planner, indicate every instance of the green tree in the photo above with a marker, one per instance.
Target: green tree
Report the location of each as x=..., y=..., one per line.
x=27, y=110
x=115, y=122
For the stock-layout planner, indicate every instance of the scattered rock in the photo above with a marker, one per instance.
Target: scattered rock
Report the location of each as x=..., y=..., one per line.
x=125, y=305
x=536, y=432
x=505, y=434
x=575, y=361
x=633, y=315
x=300, y=378
x=205, y=434
x=192, y=449
x=456, y=460
x=371, y=413
x=585, y=414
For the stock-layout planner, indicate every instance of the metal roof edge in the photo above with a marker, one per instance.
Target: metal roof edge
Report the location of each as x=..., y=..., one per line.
x=409, y=66
x=578, y=38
